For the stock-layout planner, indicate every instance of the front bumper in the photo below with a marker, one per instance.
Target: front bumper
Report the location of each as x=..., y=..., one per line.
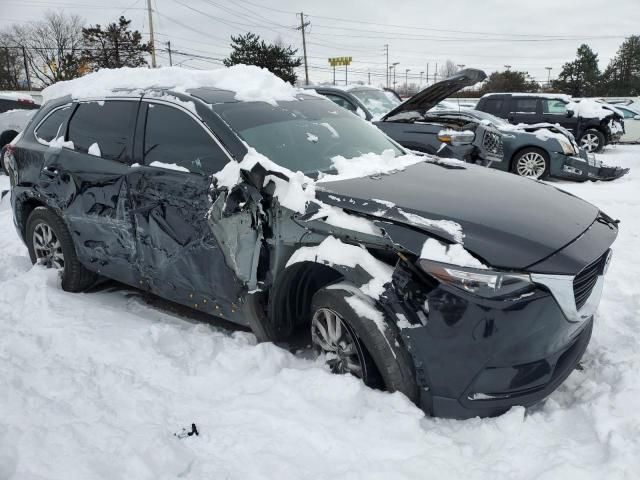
x=479, y=357
x=581, y=169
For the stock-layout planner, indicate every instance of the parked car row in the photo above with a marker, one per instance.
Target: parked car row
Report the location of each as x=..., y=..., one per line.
x=464, y=288
x=539, y=147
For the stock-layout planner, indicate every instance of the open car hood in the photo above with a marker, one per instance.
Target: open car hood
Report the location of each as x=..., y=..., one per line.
x=431, y=96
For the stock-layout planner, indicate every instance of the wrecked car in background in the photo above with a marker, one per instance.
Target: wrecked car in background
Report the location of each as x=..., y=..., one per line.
x=428, y=123
x=594, y=124
x=240, y=196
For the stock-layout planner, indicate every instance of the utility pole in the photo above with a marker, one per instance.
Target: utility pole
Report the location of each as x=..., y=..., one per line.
x=420, y=84
x=426, y=78
x=302, y=27
x=435, y=74
x=369, y=77
x=394, y=73
x=169, y=50
x=26, y=67
x=548, y=69
x=386, y=50
x=346, y=66
x=153, y=45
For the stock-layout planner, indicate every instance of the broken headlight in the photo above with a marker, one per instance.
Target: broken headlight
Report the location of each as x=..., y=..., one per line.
x=484, y=283
x=567, y=146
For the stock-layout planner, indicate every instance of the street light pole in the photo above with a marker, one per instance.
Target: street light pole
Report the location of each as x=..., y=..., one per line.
x=394, y=73
x=548, y=69
x=420, y=85
x=406, y=82
x=507, y=67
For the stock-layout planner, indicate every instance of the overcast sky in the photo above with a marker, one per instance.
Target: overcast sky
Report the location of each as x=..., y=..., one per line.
x=488, y=34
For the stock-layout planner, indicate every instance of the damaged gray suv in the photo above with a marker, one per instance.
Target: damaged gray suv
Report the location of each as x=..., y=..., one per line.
x=467, y=289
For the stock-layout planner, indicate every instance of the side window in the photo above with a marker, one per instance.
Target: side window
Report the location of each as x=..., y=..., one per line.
x=493, y=105
x=104, y=130
x=342, y=102
x=526, y=105
x=627, y=113
x=557, y=107
x=172, y=138
x=55, y=125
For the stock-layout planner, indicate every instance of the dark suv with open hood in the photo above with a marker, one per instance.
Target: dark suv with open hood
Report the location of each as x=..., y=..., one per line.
x=468, y=290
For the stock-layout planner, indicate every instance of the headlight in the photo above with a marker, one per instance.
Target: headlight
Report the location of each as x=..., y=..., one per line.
x=566, y=145
x=484, y=283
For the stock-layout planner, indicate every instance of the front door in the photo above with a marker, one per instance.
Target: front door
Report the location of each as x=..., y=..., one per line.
x=180, y=258
x=555, y=111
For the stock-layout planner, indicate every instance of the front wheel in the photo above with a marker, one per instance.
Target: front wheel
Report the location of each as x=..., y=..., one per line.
x=50, y=244
x=531, y=163
x=355, y=344
x=592, y=141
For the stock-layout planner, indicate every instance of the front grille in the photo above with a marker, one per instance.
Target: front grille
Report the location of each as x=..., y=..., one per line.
x=492, y=143
x=584, y=282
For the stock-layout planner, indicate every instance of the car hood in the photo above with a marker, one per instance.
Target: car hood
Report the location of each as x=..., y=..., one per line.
x=431, y=96
x=507, y=221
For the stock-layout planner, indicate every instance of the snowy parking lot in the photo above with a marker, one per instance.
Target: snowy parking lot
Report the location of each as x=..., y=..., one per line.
x=95, y=385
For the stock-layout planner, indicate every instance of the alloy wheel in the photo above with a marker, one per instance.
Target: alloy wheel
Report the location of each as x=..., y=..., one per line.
x=332, y=336
x=47, y=246
x=531, y=164
x=590, y=142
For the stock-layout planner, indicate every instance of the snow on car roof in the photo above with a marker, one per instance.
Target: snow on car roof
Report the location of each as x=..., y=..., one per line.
x=250, y=83
x=16, y=96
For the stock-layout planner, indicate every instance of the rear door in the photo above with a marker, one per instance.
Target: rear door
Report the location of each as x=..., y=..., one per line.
x=524, y=110
x=180, y=258
x=555, y=111
x=86, y=172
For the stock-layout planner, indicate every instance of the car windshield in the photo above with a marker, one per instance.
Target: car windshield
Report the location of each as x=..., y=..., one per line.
x=304, y=134
x=376, y=101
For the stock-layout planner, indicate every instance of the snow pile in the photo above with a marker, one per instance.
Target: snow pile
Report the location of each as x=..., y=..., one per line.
x=167, y=166
x=94, y=386
x=334, y=252
x=94, y=149
x=587, y=108
x=454, y=254
x=59, y=142
x=453, y=229
x=250, y=83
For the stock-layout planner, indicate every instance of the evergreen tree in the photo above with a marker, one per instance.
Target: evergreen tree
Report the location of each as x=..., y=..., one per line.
x=580, y=78
x=509, y=81
x=248, y=49
x=114, y=47
x=622, y=76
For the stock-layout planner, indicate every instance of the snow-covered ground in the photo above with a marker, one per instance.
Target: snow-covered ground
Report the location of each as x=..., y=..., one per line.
x=94, y=386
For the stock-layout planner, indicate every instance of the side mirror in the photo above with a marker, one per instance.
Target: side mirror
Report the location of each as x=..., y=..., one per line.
x=636, y=117
x=455, y=138
x=570, y=113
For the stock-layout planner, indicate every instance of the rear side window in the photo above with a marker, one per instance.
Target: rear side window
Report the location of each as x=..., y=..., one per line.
x=106, y=128
x=493, y=105
x=173, y=138
x=55, y=125
x=554, y=107
x=526, y=105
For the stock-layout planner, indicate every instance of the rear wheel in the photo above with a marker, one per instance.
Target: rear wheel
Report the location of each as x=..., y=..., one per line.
x=592, y=140
x=358, y=345
x=531, y=163
x=50, y=244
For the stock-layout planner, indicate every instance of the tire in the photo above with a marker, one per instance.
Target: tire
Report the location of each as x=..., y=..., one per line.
x=531, y=163
x=385, y=363
x=75, y=277
x=592, y=140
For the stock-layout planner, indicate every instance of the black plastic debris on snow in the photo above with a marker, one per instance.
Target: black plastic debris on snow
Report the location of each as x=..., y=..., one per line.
x=184, y=433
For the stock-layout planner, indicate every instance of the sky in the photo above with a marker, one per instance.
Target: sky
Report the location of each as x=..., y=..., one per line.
x=488, y=34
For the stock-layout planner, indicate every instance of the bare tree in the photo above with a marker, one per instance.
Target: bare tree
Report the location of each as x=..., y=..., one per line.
x=53, y=46
x=448, y=69
x=11, y=64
